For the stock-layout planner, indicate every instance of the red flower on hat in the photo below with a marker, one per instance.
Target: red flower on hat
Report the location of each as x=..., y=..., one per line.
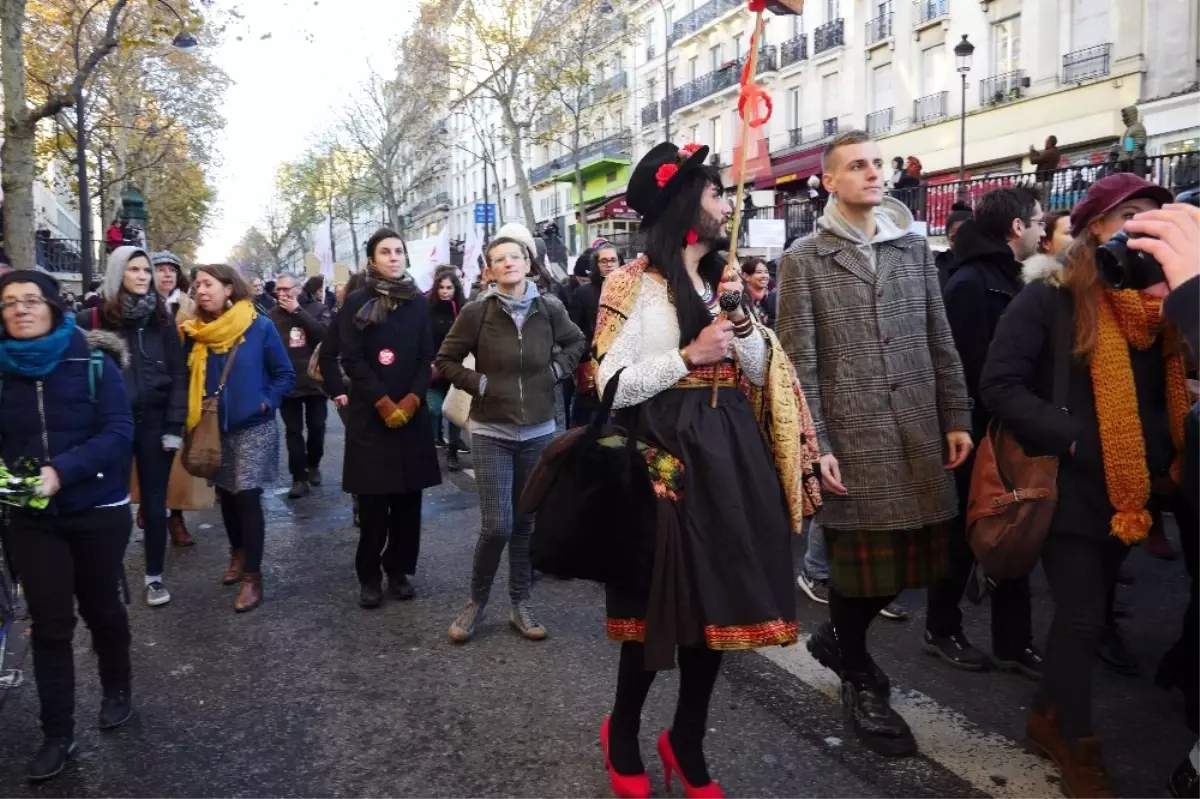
x=692, y=237
x=664, y=174
x=687, y=151
x=758, y=5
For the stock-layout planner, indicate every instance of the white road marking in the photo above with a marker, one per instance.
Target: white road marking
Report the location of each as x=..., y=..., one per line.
x=469, y=473
x=991, y=763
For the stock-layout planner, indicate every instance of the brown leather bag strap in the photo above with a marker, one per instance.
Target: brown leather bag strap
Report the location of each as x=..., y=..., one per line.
x=225, y=372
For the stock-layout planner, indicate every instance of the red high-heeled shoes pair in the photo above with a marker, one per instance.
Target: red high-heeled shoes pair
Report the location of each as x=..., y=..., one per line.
x=637, y=786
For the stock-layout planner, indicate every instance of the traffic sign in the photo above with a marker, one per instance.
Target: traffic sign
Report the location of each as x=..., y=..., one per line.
x=485, y=213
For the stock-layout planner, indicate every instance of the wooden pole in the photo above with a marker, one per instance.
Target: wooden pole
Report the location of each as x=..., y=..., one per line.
x=731, y=265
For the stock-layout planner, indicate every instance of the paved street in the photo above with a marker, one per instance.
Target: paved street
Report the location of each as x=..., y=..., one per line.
x=311, y=696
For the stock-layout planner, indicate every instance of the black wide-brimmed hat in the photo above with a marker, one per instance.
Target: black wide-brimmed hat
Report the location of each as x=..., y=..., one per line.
x=658, y=176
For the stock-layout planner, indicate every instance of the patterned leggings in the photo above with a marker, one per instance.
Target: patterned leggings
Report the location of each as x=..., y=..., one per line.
x=501, y=468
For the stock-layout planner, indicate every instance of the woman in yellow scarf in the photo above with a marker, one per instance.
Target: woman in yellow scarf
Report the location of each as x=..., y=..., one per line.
x=1118, y=440
x=261, y=375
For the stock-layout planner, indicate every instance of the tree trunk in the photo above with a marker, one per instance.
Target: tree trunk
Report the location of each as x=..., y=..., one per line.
x=581, y=213
x=17, y=151
x=514, y=149
x=353, y=231
x=332, y=238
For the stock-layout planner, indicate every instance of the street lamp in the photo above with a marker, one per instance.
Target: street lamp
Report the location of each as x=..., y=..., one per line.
x=962, y=54
x=185, y=43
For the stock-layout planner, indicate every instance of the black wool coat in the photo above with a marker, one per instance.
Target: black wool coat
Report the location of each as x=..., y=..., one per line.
x=391, y=359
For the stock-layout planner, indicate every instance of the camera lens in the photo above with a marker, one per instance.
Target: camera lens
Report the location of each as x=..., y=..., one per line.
x=1113, y=261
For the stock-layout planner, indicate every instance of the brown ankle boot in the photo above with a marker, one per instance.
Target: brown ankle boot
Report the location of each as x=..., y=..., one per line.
x=234, y=573
x=1043, y=737
x=250, y=596
x=1083, y=774
x=180, y=536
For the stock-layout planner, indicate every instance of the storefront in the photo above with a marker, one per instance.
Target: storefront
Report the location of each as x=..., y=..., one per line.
x=1172, y=125
x=612, y=219
x=790, y=173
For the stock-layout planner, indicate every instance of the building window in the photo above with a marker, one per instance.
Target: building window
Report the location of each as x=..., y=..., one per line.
x=611, y=177
x=831, y=10
x=714, y=58
x=797, y=25
x=695, y=134
x=620, y=120
x=692, y=67
x=881, y=87
x=829, y=88
x=1089, y=24
x=793, y=109
x=1006, y=46
x=714, y=134
x=652, y=90
x=933, y=69
x=737, y=46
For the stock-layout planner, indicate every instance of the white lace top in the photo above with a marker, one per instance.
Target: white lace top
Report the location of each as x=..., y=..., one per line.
x=647, y=348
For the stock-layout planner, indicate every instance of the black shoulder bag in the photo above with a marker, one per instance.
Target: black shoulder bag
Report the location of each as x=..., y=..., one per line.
x=594, y=505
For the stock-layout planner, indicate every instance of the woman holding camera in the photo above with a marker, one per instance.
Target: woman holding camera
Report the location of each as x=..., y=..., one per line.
x=1118, y=441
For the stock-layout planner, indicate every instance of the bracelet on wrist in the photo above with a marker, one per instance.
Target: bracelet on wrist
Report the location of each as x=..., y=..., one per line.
x=744, y=328
x=687, y=359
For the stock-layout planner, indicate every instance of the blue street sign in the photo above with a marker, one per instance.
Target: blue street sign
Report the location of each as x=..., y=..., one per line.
x=485, y=213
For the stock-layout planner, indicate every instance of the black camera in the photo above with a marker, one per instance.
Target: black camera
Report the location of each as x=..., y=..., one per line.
x=1123, y=268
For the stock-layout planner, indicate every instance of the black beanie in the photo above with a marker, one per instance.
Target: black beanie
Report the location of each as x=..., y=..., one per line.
x=43, y=280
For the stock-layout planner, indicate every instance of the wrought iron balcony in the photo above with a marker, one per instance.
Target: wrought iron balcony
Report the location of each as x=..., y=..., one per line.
x=879, y=122
x=702, y=17
x=1002, y=88
x=1087, y=64
x=651, y=51
x=768, y=59
x=926, y=11
x=613, y=147
x=879, y=28
x=829, y=128
x=795, y=137
x=828, y=36
x=442, y=198
x=717, y=80
x=608, y=87
x=652, y=114
x=931, y=107
x=793, y=51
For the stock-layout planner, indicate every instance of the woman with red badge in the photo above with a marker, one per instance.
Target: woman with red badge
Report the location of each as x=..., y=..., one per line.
x=387, y=352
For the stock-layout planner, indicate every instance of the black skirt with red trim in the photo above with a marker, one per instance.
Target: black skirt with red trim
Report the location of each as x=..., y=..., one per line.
x=722, y=574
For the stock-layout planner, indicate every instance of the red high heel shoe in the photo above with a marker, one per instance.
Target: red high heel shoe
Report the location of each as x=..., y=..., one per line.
x=710, y=791
x=624, y=786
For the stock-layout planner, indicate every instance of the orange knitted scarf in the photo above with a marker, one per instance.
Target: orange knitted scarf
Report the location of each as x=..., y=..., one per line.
x=1131, y=319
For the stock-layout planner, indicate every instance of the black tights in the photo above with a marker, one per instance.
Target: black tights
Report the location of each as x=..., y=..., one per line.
x=244, y=524
x=851, y=616
x=697, y=675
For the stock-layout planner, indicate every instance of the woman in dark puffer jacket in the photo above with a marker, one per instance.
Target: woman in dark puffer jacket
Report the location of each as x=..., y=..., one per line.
x=156, y=381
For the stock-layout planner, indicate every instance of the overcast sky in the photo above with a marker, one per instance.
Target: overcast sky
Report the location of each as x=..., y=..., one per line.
x=284, y=89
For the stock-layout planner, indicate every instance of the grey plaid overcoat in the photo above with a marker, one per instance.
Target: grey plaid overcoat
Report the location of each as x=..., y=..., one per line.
x=877, y=363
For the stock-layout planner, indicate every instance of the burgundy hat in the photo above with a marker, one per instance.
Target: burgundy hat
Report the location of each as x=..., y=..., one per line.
x=1107, y=193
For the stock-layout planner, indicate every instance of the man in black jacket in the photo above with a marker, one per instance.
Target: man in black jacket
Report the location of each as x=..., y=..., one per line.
x=301, y=321
x=989, y=250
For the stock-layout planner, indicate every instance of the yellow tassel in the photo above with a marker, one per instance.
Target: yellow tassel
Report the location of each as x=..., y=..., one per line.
x=1131, y=527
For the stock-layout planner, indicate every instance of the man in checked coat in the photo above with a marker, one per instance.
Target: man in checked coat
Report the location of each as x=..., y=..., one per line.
x=861, y=317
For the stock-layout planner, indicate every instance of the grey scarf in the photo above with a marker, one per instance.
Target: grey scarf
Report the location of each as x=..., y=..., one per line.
x=135, y=307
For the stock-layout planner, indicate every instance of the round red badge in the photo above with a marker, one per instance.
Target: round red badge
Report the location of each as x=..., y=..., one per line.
x=387, y=357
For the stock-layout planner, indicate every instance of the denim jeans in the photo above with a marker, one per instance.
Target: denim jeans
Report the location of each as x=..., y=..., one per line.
x=436, y=398
x=816, y=563
x=501, y=468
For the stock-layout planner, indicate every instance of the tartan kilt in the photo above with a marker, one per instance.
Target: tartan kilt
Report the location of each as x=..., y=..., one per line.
x=876, y=563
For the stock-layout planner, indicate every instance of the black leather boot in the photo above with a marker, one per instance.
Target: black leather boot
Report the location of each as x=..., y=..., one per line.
x=50, y=759
x=868, y=713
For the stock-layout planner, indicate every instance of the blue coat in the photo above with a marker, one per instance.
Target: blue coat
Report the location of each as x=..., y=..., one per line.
x=88, y=441
x=262, y=374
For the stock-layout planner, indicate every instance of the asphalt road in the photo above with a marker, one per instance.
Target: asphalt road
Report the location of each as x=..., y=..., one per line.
x=312, y=696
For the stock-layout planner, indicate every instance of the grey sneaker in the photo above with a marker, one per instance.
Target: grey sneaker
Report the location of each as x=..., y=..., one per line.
x=525, y=622
x=817, y=590
x=157, y=594
x=463, y=628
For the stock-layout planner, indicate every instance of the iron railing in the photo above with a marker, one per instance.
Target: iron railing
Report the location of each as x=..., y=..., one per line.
x=931, y=107
x=58, y=255
x=828, y=36
x=1087, y=64
x=795, y=137
x=793, y=51
x=879, y=122
x=608, y=87
x=652, y=114
x=616, y=146
x=1001, y=88
x=926, y=11
x=442, y=198
x=829, y=128
x=719, y=79
x=768, y=59
x=702, y=17
x=879, y=28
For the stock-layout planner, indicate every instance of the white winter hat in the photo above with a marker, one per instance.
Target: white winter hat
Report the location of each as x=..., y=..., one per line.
x=518, y=232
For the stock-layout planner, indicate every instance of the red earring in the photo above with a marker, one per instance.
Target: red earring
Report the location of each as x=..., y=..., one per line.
x=692, y=237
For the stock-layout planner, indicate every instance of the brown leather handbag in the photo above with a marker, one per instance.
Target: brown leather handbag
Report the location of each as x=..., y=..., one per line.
x=1013, y=495
x=201, y=454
